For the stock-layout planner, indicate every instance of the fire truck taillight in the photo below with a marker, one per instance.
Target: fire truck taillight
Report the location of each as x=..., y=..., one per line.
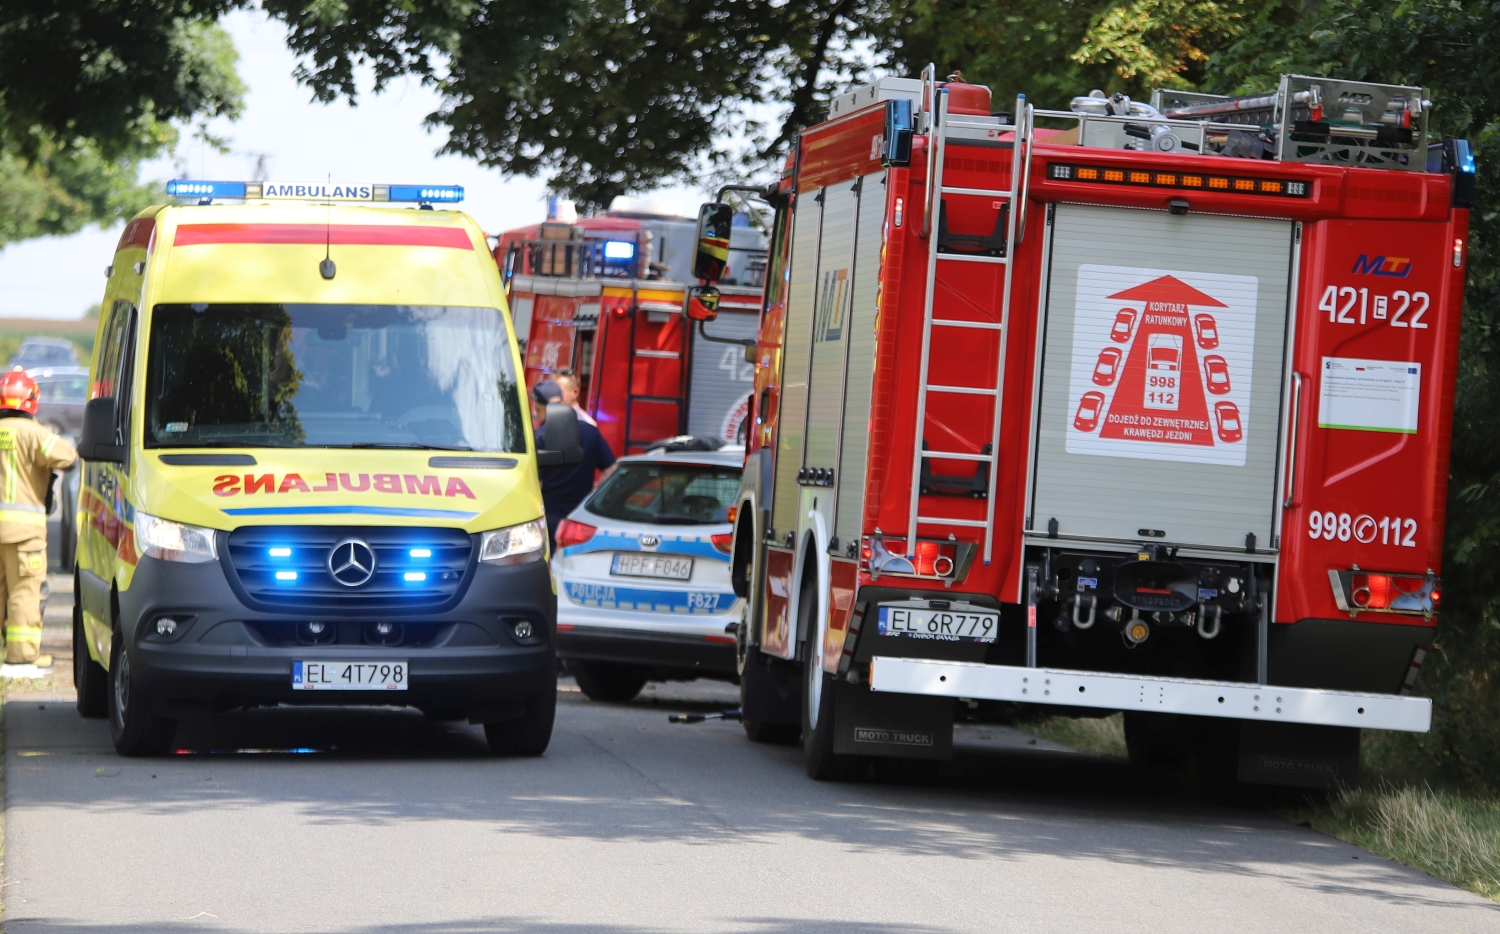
x=931, y=558
x=1357, y=591
x=899, y=214
x=1458, y=253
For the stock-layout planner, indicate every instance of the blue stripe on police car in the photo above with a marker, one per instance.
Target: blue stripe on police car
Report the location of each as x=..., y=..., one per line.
x=612, y=597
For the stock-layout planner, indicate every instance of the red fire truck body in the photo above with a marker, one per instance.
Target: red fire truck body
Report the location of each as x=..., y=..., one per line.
x=603, y=297
x=1169, y=428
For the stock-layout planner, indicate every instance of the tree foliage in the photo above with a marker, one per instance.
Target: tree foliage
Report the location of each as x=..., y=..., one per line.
x=89, y=89
x=601, y=96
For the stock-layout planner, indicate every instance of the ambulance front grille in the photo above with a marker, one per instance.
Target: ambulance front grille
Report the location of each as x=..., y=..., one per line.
x=415, y=568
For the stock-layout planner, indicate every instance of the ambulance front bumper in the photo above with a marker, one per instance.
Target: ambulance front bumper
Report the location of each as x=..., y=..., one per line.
x=1226, y=699
x=467, y=656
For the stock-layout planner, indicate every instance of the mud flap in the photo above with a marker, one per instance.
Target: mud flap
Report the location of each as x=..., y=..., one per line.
x=905, y=726
x=1300, y=755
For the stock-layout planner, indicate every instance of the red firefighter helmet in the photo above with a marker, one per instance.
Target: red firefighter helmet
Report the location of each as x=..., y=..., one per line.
x=19, y=391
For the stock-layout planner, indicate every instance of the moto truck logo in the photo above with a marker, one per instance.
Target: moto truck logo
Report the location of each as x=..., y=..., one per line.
x=1161, y=368
x=1394, y=267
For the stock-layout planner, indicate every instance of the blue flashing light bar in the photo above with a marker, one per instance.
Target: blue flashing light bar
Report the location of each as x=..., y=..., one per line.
x=619, y=249
x=286, y=575
x=205, y=190
x=415, y=577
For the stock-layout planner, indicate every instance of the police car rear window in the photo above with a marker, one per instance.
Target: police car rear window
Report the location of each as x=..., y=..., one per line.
x=667, y=494
x=357, y=376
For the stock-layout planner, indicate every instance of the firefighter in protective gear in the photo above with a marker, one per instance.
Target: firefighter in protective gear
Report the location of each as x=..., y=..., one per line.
x=29, y=452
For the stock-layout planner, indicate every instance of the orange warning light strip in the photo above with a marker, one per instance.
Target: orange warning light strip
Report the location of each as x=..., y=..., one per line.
x=1063, y=172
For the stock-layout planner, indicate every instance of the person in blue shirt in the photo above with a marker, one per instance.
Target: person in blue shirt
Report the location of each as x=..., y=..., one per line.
x=563, y=488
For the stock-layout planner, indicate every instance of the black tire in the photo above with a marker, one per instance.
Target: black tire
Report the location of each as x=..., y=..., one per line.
x=1156, y=741
x=134, y=727
x=89, y=677
x=604, y=681
x=823, y=764
x=770, y=692
x=528, y=735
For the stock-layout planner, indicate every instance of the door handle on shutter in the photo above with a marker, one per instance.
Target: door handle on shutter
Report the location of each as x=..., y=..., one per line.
x=1292, y=438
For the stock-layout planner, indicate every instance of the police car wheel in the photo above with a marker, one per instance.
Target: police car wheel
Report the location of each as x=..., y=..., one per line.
x=602, y=681
x=133, y=727
x=527, y=735
x=90, y=678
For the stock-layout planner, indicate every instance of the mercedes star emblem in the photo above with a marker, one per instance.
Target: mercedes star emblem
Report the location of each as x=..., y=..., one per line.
x=352, y=562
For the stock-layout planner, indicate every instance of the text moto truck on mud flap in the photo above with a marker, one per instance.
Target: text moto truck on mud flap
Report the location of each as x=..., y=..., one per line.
x=1146, y=412
x=311, y=475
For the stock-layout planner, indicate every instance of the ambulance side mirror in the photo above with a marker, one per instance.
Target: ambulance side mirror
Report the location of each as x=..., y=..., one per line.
x=715, y=220
x=560, y=433
x=98, y=441
x=702, y=303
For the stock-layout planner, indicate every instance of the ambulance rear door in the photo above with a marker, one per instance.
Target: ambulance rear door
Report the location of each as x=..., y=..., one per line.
x=1161, y=377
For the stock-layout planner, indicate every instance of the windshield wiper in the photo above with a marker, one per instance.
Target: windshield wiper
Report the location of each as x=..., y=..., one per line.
x=415, y=445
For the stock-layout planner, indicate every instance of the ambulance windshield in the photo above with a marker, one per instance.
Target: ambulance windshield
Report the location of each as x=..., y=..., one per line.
x=399, y=376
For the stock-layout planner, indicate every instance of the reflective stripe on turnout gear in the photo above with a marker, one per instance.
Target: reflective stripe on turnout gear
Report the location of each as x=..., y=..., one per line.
x=23, y=634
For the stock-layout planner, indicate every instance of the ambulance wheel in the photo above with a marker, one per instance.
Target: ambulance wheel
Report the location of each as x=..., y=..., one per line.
x=528, y=735
x=603, y=681
x=134, y=728
x=89, y=677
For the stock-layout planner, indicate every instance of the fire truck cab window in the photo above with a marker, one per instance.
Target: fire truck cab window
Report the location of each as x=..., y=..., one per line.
x=667, y=494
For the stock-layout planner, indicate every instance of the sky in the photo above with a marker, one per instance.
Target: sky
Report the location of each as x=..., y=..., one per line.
x=381, y=140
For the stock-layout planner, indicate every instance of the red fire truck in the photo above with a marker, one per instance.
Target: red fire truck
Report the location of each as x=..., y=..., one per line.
x=1129, y=407
x=603, y=296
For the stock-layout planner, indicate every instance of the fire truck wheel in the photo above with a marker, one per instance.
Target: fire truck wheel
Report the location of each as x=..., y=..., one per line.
x=1160, y=740
x=818, y=701
x=602, y=681
x=768, y=690
x=823, y=764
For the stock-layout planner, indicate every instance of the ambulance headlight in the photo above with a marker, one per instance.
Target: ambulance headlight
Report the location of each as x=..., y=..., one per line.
x=174, y=541
x=518, y=544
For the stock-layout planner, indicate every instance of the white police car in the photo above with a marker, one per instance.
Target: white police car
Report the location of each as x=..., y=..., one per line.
x=642, y=573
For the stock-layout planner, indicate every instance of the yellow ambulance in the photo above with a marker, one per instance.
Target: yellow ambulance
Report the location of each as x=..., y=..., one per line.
x=310, y=469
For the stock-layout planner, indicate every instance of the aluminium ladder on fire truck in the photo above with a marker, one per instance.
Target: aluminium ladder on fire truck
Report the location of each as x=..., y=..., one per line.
x=937, y=123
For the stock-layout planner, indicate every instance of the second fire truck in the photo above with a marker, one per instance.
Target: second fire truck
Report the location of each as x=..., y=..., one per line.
x=603, y=297
x=1129, y=407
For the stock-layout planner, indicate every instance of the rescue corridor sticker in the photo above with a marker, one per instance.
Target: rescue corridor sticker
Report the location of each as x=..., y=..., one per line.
x=1162, y=363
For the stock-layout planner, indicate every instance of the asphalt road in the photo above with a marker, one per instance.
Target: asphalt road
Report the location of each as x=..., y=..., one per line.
x=381, y=821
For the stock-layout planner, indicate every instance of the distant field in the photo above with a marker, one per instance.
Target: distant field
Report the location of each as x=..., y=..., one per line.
x=14, y=330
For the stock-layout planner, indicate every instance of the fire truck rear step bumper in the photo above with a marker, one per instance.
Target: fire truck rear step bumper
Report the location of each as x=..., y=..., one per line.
x=1230, y=699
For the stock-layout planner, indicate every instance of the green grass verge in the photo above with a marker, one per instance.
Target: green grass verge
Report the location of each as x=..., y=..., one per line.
x=1104, y=736
x=1450, y=835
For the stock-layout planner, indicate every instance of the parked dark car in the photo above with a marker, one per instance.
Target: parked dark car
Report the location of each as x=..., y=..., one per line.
x=64, y=390
x=44, y=351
